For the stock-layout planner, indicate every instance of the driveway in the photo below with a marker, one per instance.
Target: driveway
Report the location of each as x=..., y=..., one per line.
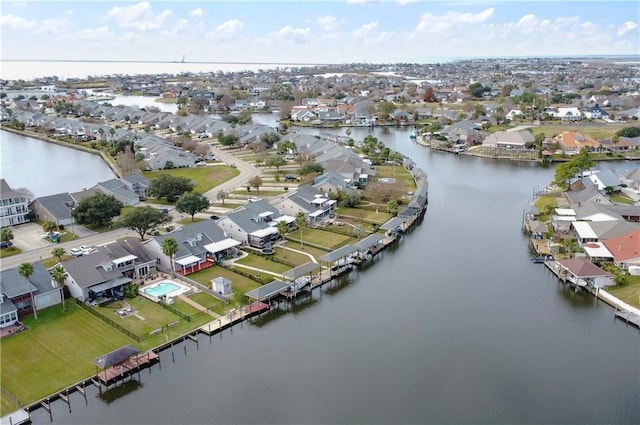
x=247, y=171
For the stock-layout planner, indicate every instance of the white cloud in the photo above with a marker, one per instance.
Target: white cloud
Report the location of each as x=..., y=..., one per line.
x=365, y=30
x=358, y=1
x=176, y=31
x=328, y=22
x=53, y=26
x=93, y=34
x=295, y=34
x=626, y=27
x=430, y=22
x=226, y=30
x=139, y=16
x=403, y=2
x=197, y=12
x=16, y=22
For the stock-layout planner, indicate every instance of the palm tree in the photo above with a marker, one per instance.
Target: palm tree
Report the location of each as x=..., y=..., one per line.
x=6, y=234
x=170, y=248
x=300, y=219
x=221, y=196
x=58, y=252
x=283, y=227
x=26, y=271
x=49, y=226
x=59, y=275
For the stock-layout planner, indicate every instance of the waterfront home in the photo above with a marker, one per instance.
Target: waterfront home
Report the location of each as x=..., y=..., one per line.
x=509, y=140
x=98, y=275
x=332, y=182
x=14, y=205
x=596, y=231
x=128, y=189
x=20, y=296
x=588, y=195
x=603, y=179
x=309, y=200
x=625, y=249
x=582, y=272
x=253, y=224
x=572, y=142
x=200, y=245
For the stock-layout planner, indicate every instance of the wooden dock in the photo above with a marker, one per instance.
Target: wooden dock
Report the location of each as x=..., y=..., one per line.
x=233, y=317
x=134, y=364
x=632, y=319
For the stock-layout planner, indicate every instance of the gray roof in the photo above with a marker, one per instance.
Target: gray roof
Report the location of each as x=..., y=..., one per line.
x=12, y=284
x=56, y=204
x=88, y=270
x=392, y=223
x=336, y=254
x=137, y=178
x=245, y=218
x=577, y=196
x=301, y=270
x=116, y=357
x=207, y=230
x=7, y=192
x=268, y=290
x=6, y=306
x=368, y=242
x=124, y=247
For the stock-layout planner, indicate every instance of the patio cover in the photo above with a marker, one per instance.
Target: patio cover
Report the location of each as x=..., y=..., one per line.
x=261, y=233
x=338, y=253
x=369, y=241
x=116, y=357
x=317, y=213
x=584, y=230
x=393, y=223
x=221, y=245
x=121, y=280
x=286, y=218
x=596, y=250
x=124, y=259
x=191, y=259
x=268, y=290
x=301, y=270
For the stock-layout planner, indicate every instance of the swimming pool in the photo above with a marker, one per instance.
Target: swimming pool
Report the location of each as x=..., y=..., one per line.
x=160, y=289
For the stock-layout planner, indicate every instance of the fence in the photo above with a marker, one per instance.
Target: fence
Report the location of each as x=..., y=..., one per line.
x=127, y=332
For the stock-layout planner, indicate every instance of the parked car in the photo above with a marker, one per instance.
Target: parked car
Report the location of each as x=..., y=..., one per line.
x=254, y=199
x=201, y=164
x=291, y=177
x=76, y=252
x=86, y=249
x=5, y=244
x=214, y=217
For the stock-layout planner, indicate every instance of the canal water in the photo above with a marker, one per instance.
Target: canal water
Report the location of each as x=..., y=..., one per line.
x=454, y=325
x=46, y=168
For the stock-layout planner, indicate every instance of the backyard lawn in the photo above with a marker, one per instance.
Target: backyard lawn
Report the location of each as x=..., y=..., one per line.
x=398, y=172
x=322, y=238
x=204, y=178
x=258, y=261
x=56, y=351
x=239, y=285
x=207, y=301
x=629, y=293
x=376, y=217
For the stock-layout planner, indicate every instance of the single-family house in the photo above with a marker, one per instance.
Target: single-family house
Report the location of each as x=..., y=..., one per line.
x=19, y=296
x=582, y=272
x=578, y=198
x=307, y=199
x=56, y=208
x=625, y=249
x=14, y=205
x=573, y=142
x=509, y=140
x=253, y=224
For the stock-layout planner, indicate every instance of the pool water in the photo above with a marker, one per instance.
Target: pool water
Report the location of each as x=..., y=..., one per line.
x=162, y=288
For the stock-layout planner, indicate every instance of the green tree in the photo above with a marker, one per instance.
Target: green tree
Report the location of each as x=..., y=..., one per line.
x=227, y=140
x=385, y=108
x=98, y=209
x=283, y=228
x=255, y=182
x=222, y=195
x=130, y=290
x=312, y=167
x=59, y=276
x=26, y=270
x=6, y=234
x=58, y=252
x=170, y=248
x=143, y=219
x=169, y=187
x=630, y=132
x=192, y=203
x=393, y=206
x=574, y=167
x=49, y=226
x=300, y=220
x=275, y=161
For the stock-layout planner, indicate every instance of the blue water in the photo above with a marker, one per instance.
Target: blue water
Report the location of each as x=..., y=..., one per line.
x=163, y=288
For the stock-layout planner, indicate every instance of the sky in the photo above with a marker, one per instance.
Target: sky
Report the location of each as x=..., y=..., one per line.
x=329, y=31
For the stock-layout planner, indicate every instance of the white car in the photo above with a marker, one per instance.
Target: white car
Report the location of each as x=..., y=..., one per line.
x=86, y=249
x=254, y=199
x=76, y=252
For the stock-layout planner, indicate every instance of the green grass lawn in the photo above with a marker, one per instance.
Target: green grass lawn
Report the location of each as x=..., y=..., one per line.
x=602, y=131
x=401, y=174
x=239, y=285
x=543, y=202
x=204, y=178
x=8, y=252
x=210, y=302
x=255, y=260
x=184, y=307
x=621, y=199
x=56, y=351
x=376, y=217
x=187, y=220
x=291, y=256
x=629, y=293
x=316, y=252
x=154, y=315
x=329, y=240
